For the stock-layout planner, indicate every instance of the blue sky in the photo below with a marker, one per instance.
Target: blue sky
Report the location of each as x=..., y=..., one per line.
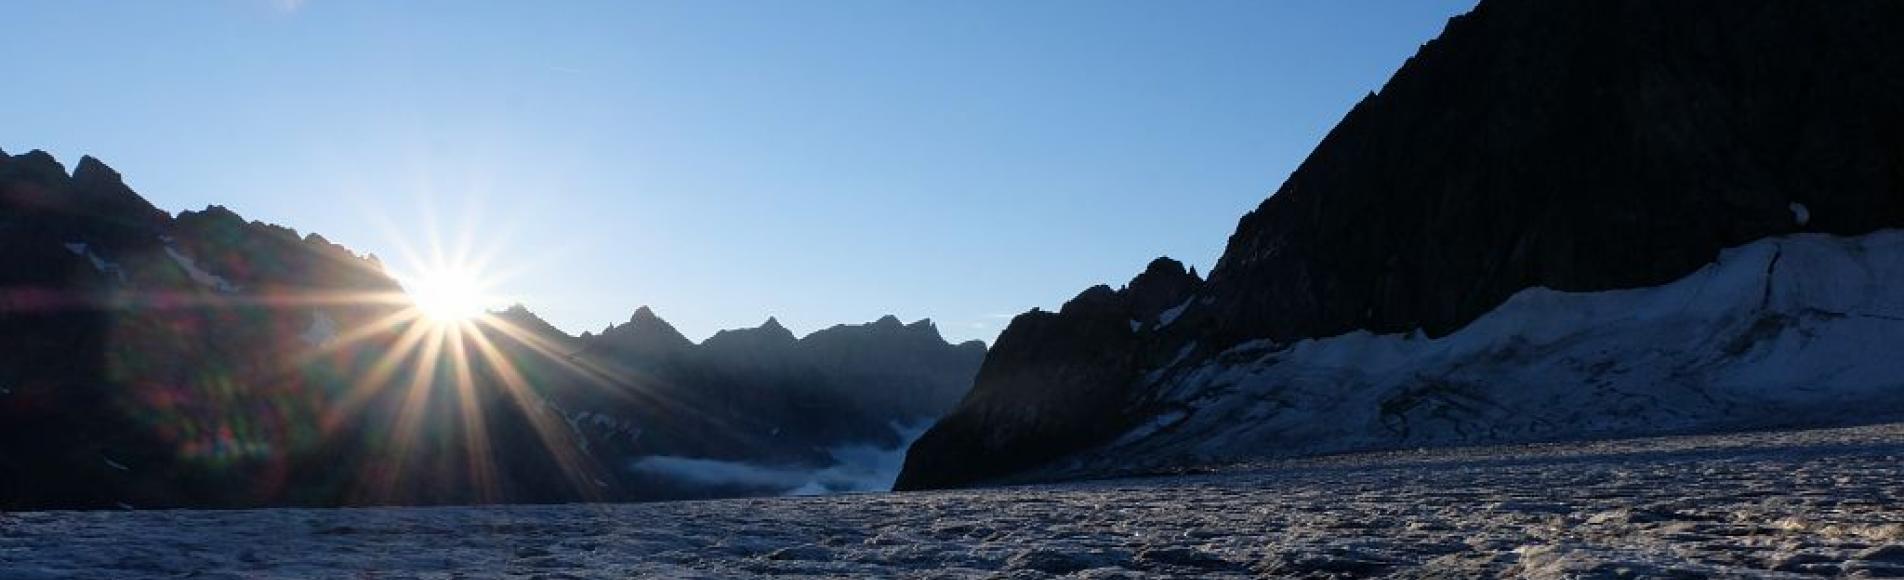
x=823, y=162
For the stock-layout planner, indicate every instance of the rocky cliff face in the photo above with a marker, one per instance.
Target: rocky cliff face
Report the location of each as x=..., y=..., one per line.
x=1576, y=145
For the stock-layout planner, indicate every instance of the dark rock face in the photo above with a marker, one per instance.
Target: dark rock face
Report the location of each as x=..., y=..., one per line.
x=1575, y=144
x=204, y=360
x=762, y=396
x=907, y=369
x=1092, y=343
x=645, y=334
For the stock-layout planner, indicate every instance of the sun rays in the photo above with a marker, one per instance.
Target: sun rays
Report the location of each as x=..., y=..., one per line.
x=437, y=355
x=448, y=296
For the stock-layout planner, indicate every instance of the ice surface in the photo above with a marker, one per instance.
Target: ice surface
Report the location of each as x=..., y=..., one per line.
x=1773, y=504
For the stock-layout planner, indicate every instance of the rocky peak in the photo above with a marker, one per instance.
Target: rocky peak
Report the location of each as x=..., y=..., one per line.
x=1096, y=300
x=925, y=329
x=521, y=317
x=215, y=221
x=92, y=170
x=1164, y=285
x=646, y=333
x=36, y=165
x=769, y=335
x=773, y=323
x=99, y=190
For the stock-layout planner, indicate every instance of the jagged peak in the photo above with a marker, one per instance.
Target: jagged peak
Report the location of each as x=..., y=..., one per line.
x=92, y=169
x=1100, y=294
x=925, y=327
x=886, y=327
x=646, y=326
x=643, y=313
x=213, y=213
x=40, y=157
x=1164, y=268
x=771, y=330
x=1164, y=265
x=35, y=165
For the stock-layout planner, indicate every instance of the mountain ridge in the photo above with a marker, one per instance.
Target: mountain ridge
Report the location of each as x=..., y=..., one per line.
x=205, y=360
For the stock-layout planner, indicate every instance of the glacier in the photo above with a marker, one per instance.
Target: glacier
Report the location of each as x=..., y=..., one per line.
x=1785, y=331
x=1775, y=504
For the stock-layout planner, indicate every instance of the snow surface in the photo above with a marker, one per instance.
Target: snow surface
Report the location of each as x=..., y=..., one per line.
x=103, y=265
x=199, y=275
x=1786, y=331
x=1168, y=316
x=322, y=330
x=1772, y=504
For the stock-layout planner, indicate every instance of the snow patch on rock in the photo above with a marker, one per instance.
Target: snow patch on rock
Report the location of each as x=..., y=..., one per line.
x=1171, y=315
x=321, y=331
x=103, y=265
x=199, y=275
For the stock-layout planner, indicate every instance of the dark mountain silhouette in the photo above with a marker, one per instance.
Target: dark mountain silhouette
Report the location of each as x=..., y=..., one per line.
x=769, y=398
x=1577, y=145
x=206, y=360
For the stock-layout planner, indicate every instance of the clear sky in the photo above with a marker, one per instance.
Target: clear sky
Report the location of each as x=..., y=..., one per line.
x=721, y=161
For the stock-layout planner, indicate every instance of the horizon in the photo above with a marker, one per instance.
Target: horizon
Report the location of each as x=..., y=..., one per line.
x=796, y=172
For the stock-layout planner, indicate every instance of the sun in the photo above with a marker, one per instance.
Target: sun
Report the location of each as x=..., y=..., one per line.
x=448, y=295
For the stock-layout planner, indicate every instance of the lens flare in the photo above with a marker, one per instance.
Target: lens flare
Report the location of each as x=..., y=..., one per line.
x=447, y=296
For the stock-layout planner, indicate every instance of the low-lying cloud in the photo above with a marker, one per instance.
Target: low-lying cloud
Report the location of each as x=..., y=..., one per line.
x=856, y=468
